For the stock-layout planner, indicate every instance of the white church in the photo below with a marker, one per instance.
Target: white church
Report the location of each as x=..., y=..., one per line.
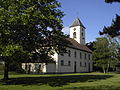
x=78, y=58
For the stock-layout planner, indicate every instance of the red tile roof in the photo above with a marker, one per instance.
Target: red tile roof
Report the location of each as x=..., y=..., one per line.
x=76, y=45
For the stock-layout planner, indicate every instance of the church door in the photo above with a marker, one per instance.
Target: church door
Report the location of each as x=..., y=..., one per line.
x=75, y=66
x=88, y=67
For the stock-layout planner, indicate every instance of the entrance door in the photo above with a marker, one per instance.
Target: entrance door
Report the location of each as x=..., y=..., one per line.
x=75, y=66
x=88, y=67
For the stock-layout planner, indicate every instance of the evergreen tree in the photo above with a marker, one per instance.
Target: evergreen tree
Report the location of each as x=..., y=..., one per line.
x=30, y=29
x=114, y=29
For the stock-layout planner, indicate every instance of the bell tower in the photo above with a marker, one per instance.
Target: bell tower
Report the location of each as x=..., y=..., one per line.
x=77, y=31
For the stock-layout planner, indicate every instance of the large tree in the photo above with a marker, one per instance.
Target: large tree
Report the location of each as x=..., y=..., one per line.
x=114, y=29
x=32, y=27
x=103, y=55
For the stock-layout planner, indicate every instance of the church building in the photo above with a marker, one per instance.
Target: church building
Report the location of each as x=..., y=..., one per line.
x=78, y=58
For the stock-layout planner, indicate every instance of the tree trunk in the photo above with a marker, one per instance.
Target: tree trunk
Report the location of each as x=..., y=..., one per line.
x=108, y=67
x=6, y=71
x=103, y=69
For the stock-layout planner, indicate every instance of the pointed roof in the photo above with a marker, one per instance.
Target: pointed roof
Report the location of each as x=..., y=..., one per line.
x=77, y=22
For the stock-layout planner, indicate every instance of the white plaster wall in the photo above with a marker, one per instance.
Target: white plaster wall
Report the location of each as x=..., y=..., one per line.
x=79, y=37
x=32, y=68
x=57, y=68
x=72, y=59
x=82, y=30
x=77, y=33
x=51, y=68
x=55, y=57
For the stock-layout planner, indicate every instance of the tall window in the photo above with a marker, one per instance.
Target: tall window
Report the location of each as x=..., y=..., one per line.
x=74, y=35
x=85, y=56
x=89, y=56
x=62, y=62
x=85, y=64
x=69, y=53
x=82, y=34
x=80, y=55
x=80, y=64
x=69, y=63
x=75, y=54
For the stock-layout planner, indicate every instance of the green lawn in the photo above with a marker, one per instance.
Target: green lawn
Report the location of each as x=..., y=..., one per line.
x=79, y=81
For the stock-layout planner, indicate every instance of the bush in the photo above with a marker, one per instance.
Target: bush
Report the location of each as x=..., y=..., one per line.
x=1, y=67
x=21, y=71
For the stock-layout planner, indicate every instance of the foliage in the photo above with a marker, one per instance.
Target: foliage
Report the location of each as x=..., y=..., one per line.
x=114, y=32
x=111, y=1
x=114, y=29
x=90, y=45
x=102, y=54
x=30, y=29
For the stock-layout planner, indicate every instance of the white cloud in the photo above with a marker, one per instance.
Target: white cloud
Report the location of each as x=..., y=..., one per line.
x=66, y=30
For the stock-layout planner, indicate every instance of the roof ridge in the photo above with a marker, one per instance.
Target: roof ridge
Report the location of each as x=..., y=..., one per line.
x=76, y=45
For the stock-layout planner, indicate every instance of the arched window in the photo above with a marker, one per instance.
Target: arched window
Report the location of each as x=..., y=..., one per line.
x=62, y=62
x=74, y=35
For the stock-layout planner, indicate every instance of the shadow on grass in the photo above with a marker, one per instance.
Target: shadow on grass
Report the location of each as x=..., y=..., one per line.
x=54, y=80
x=101, y=87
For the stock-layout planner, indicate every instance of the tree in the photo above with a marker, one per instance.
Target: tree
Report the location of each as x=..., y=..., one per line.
x=90, y=45
x=114, y=29
x=111, y=1
x=102, y=54
x=32, y=27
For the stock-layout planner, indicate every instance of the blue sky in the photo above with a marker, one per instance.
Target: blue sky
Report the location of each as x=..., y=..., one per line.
x=94, y=14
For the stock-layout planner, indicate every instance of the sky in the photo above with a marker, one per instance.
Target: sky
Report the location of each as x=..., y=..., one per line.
x=94, y=14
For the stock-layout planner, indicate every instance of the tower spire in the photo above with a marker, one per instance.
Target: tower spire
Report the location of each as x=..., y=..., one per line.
x=77, y=22
x=77, y=31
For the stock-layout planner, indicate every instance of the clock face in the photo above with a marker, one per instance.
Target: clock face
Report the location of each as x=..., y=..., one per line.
x=74, y=29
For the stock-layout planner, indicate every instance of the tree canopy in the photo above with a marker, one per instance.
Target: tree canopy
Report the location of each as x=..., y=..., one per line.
x=114, y=29
x=103, y=53
x=32, y=27
x=111, y=1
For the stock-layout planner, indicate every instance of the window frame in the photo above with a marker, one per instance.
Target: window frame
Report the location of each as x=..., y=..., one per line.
x=74, y=35
x=69, y=63
x=75, y=54
x=62, y=62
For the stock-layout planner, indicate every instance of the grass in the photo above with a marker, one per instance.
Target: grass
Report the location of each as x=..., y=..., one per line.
x=78, y=81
